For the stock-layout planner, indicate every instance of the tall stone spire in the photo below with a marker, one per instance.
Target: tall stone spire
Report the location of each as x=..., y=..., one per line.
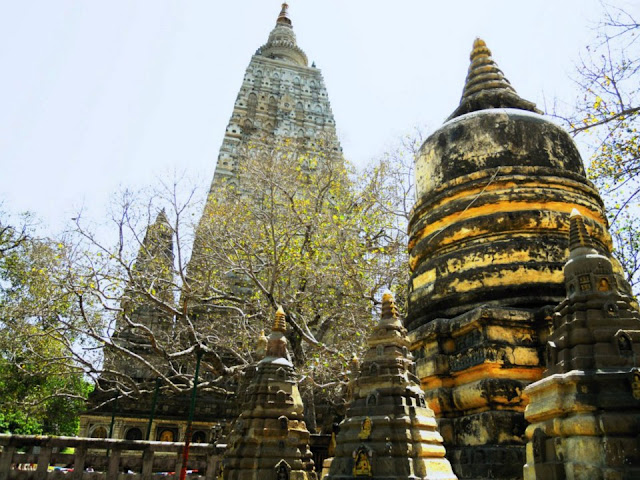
x=153, y=269
x=157, y=245
x=280, y=97
x=578, y=236
x=279, y=323
x=389, y=432
x=281, y=101
x=151, y=281
x=584, y=413
x=270, y=440
x=486, y=86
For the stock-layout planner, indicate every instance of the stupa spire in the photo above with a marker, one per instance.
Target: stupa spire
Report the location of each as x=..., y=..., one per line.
x=389, y=309
x=389, y=432
x=283, y=17
x=578, y=235
x=593, y=373
x=160, y=228
x=155, y=257
x=484, y=74
x=279, y=322
x=486, y=86
x=277, y=343
x=270, y=439
x=261, y=347
x=281, y=44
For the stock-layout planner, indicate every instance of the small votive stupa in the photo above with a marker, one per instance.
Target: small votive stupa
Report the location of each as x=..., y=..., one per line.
x=388, y=432
x=270, y=440
x=584, y=413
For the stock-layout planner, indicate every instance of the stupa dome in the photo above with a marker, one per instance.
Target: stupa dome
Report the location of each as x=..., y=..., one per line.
x=495, y=185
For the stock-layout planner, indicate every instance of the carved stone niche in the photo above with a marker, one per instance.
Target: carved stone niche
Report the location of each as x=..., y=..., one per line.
x=283, y=422
x=283, y=470
x=362, y=462
x=372, y=399
x=610, y=309
x=624, y=343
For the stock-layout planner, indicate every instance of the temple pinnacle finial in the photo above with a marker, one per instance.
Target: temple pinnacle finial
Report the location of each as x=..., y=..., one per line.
x=486, y=86
x=158, y=238
x=162, y=217
x=279, y=324
x=578, y=235
x=483, y=73
x=389, y=309
x=261, y=347
x=284, y=15
x=281, y=44
x=479, y=49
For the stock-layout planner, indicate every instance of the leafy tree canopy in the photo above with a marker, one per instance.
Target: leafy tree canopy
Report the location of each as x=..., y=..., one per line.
x=608, y=113
x=41, y=389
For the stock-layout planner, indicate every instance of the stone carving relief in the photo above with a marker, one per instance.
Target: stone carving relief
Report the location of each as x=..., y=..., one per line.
x=365, y=429
x=362, y=462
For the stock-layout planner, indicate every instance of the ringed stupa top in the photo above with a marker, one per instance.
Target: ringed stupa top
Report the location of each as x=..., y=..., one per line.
x=281, y=44
x=487, y=87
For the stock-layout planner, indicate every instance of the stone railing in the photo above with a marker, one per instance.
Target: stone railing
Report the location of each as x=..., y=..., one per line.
x=32, y=457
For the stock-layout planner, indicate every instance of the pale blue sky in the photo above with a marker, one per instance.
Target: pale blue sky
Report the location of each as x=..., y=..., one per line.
x=99, y=94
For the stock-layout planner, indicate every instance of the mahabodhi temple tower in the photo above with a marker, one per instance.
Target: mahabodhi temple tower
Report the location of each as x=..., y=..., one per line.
x=281, y=97
x=488, y=241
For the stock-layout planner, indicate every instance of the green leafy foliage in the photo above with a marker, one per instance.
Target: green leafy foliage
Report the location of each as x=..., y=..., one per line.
x=297, y=228
x=42, y=390
x=608, y=113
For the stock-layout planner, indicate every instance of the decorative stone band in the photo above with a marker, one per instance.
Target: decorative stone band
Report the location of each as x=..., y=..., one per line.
x=476, y=241
x=477, y=361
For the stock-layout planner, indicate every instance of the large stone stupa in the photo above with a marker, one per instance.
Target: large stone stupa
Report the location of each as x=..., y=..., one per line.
x=488, y=240
x=270, y=440
x=389, y=432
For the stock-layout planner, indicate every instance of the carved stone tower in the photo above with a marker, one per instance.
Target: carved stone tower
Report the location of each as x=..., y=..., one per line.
x=389, y=432
x=585, y=412
x=151, y=277
x=280, y=97
x=282, y=101
x=488, y=240
x=270, y=440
